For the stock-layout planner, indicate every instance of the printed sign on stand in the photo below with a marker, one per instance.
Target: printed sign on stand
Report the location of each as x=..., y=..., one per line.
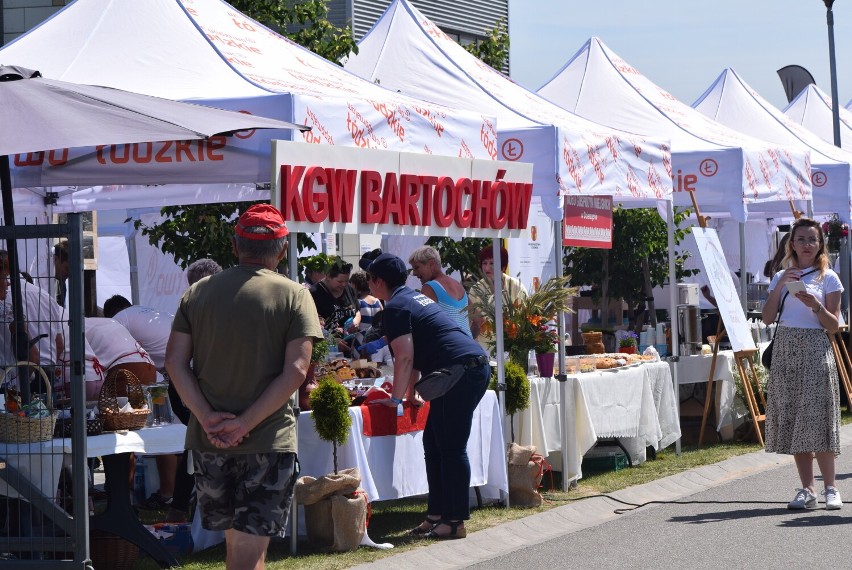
x=587, y=222
x=723, y=289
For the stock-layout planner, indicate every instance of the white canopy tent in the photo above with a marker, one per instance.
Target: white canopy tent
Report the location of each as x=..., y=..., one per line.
x=205, y=51
x=407, y=52
x=732, y=102
x=729, y=171
x=812, y=109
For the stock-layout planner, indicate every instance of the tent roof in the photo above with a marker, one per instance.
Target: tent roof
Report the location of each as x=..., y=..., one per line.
x=406, y=51
x=598, y=84
x=732, y=102
x=812, y=109
x=205, y=49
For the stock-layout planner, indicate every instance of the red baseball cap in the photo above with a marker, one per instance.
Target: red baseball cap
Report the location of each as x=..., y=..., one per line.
x=261, y=216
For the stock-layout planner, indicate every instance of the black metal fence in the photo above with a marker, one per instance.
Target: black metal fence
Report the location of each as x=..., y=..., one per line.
x=44, y=480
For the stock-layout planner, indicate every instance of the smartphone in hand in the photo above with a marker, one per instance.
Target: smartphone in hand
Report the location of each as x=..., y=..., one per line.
x=795, y=287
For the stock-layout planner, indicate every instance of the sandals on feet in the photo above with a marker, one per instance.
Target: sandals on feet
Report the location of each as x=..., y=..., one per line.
x=456, y=530
x=430, y=524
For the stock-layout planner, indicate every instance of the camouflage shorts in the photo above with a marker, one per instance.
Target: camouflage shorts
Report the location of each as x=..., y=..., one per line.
x=250, y=493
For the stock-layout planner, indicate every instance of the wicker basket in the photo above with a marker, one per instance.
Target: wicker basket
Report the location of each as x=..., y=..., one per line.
x=113, y=552
x=17, y=429
x=114, y=419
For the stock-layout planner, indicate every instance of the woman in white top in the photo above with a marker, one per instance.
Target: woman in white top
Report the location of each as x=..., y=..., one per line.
x=803, y=400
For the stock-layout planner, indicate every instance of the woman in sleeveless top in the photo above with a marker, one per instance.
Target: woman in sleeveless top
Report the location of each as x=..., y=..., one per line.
x=447, y=292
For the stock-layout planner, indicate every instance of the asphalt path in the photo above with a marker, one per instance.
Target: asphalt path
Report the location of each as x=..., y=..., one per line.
x=730, y=515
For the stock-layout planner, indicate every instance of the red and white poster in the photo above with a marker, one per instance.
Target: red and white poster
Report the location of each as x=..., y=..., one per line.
x=587, y=222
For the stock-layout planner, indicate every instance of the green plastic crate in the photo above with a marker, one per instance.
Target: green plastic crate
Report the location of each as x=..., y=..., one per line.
x=602, y=459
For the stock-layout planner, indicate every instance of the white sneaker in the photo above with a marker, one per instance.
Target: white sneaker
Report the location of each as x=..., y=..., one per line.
x=832, y=499
x=804, y=499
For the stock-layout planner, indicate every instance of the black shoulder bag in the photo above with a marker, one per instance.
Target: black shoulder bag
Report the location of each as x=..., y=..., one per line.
x=766, y=357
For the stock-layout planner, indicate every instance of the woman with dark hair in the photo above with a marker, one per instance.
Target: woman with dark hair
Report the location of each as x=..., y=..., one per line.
x=803, y=400
x=483, y=292
x=423, y=339
x=336, y=301
x=773, y=266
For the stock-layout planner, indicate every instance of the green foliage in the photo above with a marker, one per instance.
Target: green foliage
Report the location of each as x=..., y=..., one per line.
x=517, y=387
x=494, y=49
x=194, y=232
x=319, y=351
x=638, y=234
x=526, y=320
x=461, y=255
x=204, y=230
x=330, y=410
x=303, y=21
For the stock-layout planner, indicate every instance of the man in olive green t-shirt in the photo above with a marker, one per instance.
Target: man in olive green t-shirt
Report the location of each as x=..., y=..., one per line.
x=239, y=348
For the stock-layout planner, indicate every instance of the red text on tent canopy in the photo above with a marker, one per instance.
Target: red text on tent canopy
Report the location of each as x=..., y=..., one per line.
x=360, y=191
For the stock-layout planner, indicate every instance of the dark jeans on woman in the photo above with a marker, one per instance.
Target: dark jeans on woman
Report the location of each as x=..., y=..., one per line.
x=445, y=445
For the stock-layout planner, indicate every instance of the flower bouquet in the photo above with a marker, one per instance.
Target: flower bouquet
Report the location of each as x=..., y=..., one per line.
x=526, y=321
x=835, y=230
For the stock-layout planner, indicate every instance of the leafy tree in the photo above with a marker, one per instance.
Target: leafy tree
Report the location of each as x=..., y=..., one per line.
x=330, y=410
x=303, y=21
x=637, y=262
x=494, y=48
x=205, y=230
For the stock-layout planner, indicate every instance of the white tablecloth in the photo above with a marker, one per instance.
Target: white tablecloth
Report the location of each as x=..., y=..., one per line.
x=393, y=467
x=635, y=404
x=541, y=425
x=41, y=462
x=696, y=370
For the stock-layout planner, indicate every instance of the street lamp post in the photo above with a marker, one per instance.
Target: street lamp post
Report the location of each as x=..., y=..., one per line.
x=835, y=123
x=835, y=104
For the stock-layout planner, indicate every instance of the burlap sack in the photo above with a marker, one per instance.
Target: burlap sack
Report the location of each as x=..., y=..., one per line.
x=310, y=490
x=337, y=523
x=524, y=477
x=335, y=510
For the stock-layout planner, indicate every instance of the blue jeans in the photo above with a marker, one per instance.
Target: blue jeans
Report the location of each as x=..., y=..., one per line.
x=445, y=445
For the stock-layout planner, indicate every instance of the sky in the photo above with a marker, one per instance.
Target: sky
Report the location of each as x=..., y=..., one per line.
x=684, y=45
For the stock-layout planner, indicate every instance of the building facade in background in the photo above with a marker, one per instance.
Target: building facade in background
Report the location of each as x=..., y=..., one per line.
x=18, y=16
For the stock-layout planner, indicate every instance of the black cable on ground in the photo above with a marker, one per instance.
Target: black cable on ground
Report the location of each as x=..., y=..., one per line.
x=635, y=506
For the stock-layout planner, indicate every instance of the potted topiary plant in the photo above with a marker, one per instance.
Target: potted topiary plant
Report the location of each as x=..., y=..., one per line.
x=329, y=402
x=517, y=389
x=335, y=505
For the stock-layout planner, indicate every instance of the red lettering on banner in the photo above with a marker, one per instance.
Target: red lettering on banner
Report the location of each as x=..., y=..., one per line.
x=371, y=197
x=317, y=194
x=463, y=187
x=143, y=158
x=52, y=159
x=161, y=154
x=29, y=159
x=428, y=186
x=409, y=196
x=316, y=203
x=390, y=199
x=479, y=204
x=521, y=196
x=443, y=202
x=183, y=147
x=499, y=195
x=342, y=194
x=119, y=158
x=291, y=202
